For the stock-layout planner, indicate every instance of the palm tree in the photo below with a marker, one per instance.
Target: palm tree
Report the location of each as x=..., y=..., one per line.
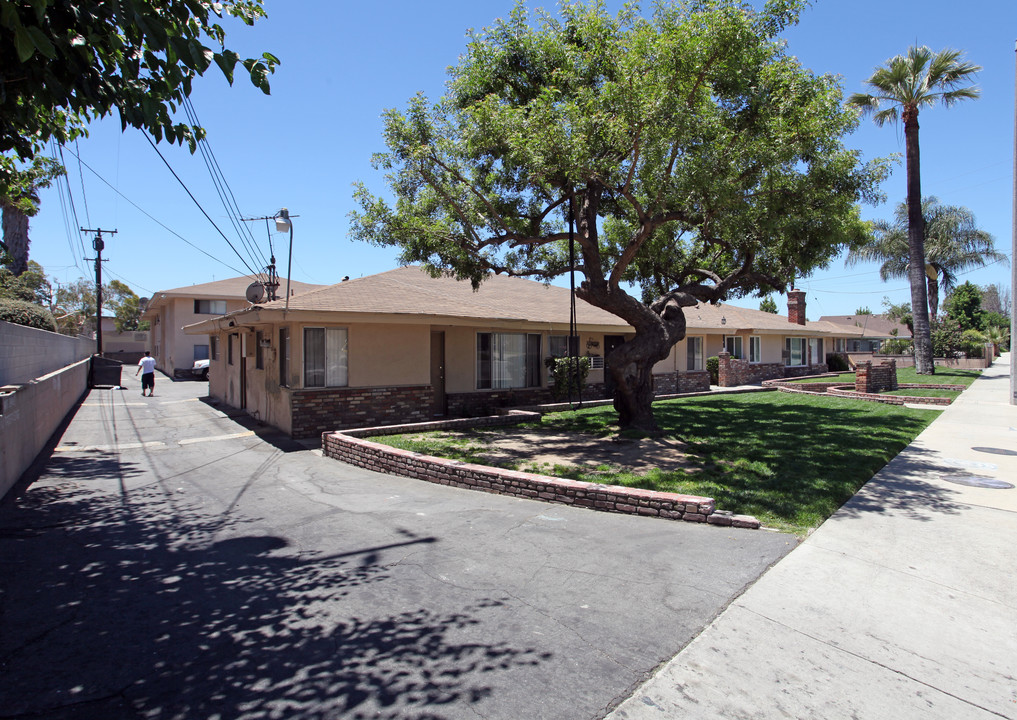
x=907, y=83
x=19, y=200
x=952, y=240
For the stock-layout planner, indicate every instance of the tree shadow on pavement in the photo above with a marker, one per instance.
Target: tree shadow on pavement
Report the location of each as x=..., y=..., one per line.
x=140, y=604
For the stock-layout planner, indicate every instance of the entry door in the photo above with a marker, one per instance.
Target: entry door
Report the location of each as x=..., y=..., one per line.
x=243, y=371
x=439, y=406
x=610, y=343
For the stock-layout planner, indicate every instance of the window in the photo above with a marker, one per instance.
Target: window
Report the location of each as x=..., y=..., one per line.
x=214, y=347
x=562, y=345
x=794, y=351
x=816, y=351
x=200, y=352
x=284, y=357
x=508, y=360
x=229, y=348
x=209, y=307
x=259, y=351
x=733, y=344
x=694, y=353
x=325, y=357
x=755, y=349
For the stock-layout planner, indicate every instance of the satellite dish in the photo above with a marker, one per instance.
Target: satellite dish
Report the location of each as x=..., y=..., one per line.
x=255, y=292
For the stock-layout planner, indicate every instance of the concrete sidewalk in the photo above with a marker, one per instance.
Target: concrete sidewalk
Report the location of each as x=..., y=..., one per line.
x=902, y=605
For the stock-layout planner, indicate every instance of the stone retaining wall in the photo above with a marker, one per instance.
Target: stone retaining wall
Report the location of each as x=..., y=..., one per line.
x=351, y=448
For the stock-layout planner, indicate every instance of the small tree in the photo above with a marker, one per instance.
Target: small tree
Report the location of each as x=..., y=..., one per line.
x=768, y=304
x=863, y=311
x=964, y=306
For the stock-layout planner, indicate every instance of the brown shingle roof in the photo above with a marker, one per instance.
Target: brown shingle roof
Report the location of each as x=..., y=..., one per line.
x=411, y=291
x=231, y=288
x=874, y=326
x=732, y=319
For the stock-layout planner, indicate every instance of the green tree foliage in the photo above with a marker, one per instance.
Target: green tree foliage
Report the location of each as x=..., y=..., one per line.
x=964, y=306
x=900, y=89
x=899, y=313
x=126, y=306
x=21, y=312
x=953, y=242
x=30, y=286
x=863, y=311
x=768, y=304
x=74, y=308
x=698, y=158
x=65, y=62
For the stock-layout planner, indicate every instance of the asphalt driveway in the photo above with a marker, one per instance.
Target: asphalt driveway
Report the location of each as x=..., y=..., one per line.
x=174, y=562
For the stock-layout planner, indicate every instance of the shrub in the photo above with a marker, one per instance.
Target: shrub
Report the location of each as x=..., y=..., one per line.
x=973, y=343
x=713, y=367
x=836, y=363
x=946, y=338
x=898, y=346
x=21, y=312
x=564, y=375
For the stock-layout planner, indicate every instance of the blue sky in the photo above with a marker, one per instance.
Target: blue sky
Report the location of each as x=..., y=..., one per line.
x=344, y=63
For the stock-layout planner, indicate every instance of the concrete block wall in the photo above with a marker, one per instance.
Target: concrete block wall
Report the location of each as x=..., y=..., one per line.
x=28, y=353
x=30, y=413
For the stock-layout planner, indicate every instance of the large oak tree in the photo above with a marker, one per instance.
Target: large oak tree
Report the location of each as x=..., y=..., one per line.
x=701, y=162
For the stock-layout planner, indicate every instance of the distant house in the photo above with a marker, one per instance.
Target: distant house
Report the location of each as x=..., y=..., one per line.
x=401, y=346
x=169, y=310
x=126, y=346
x=875, y=331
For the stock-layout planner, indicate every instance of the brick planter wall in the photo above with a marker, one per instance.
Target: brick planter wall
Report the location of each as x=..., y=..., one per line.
x=677, y=383
x=871, y=378
x=351, y=448
x=733, y=372
x=486, y=402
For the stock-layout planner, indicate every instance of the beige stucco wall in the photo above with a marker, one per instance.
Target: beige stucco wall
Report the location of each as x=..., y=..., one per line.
x=173, y=349
x=389, y=355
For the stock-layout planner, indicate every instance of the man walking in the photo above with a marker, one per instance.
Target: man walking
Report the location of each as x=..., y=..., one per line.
x=146, y=366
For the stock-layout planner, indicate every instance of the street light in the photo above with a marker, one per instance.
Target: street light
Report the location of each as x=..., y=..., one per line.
x=283, y=223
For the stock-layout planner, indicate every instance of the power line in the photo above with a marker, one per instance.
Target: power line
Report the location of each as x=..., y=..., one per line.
x=195, y=200
x=222, y=187
x=157, y=222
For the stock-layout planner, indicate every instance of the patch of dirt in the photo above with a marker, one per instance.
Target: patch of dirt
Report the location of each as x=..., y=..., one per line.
x=545, y=447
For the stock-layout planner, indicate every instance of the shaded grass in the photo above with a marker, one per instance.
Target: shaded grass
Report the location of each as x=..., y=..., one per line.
x=790, y=460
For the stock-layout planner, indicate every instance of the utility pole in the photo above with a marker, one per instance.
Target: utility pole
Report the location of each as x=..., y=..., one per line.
x=1013, y=256
x=98, y=245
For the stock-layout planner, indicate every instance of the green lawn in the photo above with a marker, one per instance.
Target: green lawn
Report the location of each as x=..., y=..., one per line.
x=790, y=460
x=943, y=376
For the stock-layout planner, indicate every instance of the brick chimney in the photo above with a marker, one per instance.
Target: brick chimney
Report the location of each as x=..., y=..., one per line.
x=796, y=307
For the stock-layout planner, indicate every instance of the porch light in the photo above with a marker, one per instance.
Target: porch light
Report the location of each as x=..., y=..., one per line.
x=723, y=320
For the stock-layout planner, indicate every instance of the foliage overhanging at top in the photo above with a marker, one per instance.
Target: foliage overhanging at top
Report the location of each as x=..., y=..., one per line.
x=701, y=160
x=65, y=62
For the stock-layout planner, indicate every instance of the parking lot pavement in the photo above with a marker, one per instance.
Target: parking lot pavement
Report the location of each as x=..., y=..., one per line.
x=173, y=562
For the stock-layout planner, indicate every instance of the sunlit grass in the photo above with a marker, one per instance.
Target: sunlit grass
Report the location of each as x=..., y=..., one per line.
x=789, y=460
